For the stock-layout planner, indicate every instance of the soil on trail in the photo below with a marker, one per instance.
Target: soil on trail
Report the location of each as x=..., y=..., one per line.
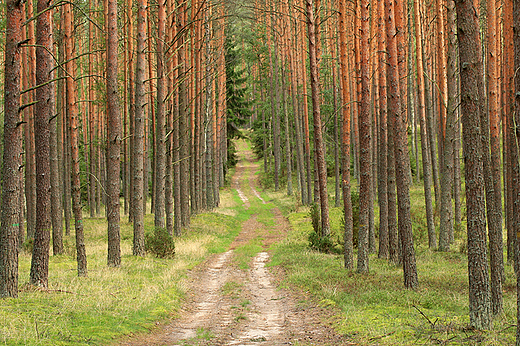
x=229, y=306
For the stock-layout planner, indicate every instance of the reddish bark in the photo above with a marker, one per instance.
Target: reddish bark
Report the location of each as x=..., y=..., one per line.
x=44, y=110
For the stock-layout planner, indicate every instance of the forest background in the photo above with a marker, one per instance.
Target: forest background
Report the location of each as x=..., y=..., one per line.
x=135, y=106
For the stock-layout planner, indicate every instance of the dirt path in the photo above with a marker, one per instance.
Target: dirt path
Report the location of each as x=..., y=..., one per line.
x=230, y=306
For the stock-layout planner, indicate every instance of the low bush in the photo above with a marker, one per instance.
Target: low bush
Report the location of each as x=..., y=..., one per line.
x=160, y=243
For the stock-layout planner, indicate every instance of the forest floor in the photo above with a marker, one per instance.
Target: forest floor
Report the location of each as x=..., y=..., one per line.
x=232, y=301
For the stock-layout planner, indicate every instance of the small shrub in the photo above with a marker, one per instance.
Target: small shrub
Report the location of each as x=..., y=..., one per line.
x=267, y=180
x=321, y=243
x=160, y=243
x=28, y=245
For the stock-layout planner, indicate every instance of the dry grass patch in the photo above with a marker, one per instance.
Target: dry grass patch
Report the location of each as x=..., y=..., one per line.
x=110, y=302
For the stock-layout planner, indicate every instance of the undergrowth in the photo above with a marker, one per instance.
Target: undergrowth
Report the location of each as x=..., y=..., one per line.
x=112, y=302
x=375, y=308
x=160, y=243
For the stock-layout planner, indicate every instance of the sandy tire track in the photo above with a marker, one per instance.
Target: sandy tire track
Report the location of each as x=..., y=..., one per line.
x=268, y=319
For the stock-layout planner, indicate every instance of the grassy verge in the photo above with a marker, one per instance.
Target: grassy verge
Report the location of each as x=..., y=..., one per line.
x=375, y=309
x=112, y=302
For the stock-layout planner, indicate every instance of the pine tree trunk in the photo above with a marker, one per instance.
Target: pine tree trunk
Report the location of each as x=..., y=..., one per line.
x=91, y=124
x=287, y=139
x=335, y=95
x=196, y=154
x=139, y=119
x=297, y=116
x=373, y=105
x=471, y=79
x=177, y=211
x=441, y=103
x=44, y=111
x=382, y=138
x=208, y=118
x=151, y=143
x=56, y=192
x=345, y=140
x=160, y=142
x=275, y=101
x=426, y=163
x=402, y=167
x=67, y=184
x=493, y=183
x=448, y=145
x=168, y=189
x=113, y=139
x=30, y=160
x=132, y=108
x=183, y=122
x=57, y=236
x=318, y=138
x=430, y=135
x=11, y=178
x=393, y=109
x=72, y=108
x=508, y=109
x=513, y=140
x=128, y=96
x=365, y=168
x=24, y=116
x=304, y=102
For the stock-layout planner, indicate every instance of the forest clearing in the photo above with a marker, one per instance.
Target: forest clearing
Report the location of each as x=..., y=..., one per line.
x=270, y=171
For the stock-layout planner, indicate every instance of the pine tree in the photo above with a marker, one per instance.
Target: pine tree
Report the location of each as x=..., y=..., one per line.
x=238, y=106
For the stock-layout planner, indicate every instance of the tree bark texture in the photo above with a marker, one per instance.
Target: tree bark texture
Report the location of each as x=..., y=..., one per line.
x=139, y=118
x=426, y=159
x=382, y=137
x=318, y=138
x=514, y=138
x=113, y=140
x=491, y=173
x=448, y=136
x=30, y=160
x=56, y=191
x=402, y=169
x=73, y=114
x=365, y=168
x=12, y=159
x=348, y=251
x=160, y=140
x=393, y=109
x=44, y=110
x=471, y=76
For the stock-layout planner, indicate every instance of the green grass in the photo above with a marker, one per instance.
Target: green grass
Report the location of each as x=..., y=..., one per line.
x=244, y=254
x=112, y=302
x=232, y=289
x=204, y=334
x=375, y=308
x=371, y=309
